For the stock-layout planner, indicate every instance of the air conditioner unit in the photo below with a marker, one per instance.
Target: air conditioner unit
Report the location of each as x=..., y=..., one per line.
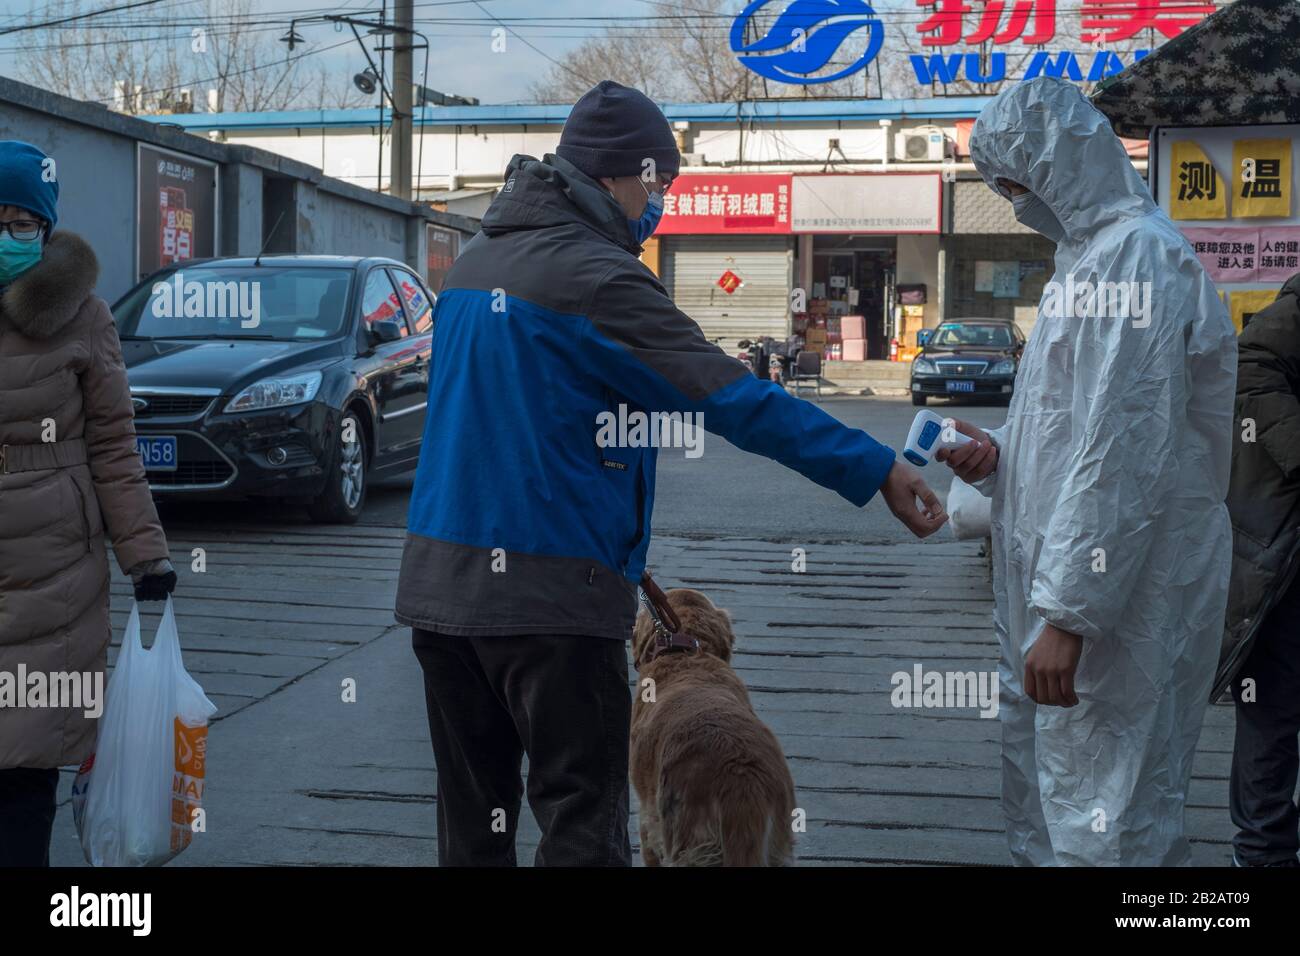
x=925, y=145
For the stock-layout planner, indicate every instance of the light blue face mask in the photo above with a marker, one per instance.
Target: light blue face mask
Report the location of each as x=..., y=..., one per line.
x=17, y=257
x=644, y=228
x=1031, y=211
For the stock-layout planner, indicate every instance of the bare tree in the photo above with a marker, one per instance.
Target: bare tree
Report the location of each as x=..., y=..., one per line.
x=96, y=59
x=138, y=68
x=704, y=60
x=609, y=56
x=250, y=70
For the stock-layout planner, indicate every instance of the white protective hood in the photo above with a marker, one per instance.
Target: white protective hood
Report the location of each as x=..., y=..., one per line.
x=1108, y=515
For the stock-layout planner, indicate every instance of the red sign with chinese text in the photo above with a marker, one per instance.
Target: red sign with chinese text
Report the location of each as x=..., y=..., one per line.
x=709, y=204
x=1034, y=22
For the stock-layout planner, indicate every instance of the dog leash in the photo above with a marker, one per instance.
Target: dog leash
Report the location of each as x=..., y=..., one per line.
x=666, y=623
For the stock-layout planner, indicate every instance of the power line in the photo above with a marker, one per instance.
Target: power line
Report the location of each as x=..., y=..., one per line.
x=79, y=16
x=564, y=66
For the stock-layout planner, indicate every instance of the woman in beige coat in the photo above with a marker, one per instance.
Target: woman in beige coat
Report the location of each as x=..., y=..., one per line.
x=69, y=474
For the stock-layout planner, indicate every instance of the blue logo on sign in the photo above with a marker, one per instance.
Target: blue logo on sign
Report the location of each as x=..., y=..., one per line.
x=805, y=37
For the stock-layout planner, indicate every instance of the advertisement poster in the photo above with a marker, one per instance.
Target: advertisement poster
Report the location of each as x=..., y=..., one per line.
x=444, y=246
x=177, y=214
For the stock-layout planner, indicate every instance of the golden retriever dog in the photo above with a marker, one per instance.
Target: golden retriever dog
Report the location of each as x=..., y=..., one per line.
x=712, y=779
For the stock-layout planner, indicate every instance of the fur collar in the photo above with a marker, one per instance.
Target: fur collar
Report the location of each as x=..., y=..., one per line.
x=48, y=296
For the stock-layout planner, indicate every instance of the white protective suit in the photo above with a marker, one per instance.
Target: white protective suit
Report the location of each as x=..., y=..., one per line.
x=1108, y=499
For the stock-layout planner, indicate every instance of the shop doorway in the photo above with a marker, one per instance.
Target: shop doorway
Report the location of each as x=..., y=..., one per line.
x=854, y=276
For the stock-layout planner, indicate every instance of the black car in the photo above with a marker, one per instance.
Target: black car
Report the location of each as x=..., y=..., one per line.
x=291, y=376
x=968, y=358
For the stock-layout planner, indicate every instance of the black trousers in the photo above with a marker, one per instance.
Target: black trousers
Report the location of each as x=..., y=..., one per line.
x=1266, y=757
x=562, y=700
x=26, y=816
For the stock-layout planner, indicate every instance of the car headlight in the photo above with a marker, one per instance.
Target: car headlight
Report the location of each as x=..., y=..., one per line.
x=276, y=392
x=924, y=366
x=1005, y=367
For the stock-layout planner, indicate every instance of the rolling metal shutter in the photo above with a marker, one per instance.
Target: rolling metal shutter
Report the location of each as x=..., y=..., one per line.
x=692, y=265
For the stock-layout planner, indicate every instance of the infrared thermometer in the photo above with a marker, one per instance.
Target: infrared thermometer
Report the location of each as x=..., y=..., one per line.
x=928, y=435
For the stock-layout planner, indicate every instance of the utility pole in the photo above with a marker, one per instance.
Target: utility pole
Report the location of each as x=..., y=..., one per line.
x=403, y=80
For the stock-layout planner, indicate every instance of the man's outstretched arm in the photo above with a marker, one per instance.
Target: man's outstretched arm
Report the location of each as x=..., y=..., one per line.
x=645, y=348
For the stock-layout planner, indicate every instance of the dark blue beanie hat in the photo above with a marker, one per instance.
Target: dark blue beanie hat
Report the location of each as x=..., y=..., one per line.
x=614, y=129
x=23, y=180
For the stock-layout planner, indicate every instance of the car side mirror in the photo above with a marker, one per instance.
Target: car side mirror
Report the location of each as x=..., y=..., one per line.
x=385, y=330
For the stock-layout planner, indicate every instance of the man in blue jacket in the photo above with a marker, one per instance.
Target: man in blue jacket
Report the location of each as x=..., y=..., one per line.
x=527, y=535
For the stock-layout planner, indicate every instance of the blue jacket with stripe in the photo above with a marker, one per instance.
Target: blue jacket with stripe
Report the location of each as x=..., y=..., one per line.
x=520, y=521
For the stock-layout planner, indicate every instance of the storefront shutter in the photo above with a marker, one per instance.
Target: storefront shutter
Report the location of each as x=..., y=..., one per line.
x=693, y=266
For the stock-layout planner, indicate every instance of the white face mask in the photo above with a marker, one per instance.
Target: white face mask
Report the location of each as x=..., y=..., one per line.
x=1037, y=215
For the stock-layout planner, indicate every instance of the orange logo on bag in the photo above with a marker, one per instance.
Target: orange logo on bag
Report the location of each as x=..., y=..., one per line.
x=191, y=750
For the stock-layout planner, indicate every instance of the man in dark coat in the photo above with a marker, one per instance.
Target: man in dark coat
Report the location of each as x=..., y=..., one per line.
x=1261, y=646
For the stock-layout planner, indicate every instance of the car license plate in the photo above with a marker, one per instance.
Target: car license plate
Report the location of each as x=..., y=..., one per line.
x=158, y=452
x=959, y=385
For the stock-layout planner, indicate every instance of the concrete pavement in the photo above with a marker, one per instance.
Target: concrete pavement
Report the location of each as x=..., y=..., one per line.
x=298, y=777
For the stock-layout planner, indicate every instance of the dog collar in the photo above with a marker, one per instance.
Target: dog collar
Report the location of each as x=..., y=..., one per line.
x=667, y=639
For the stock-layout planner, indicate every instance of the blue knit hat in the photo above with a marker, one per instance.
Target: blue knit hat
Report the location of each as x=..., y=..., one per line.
x=23, y=180
x=614, y=129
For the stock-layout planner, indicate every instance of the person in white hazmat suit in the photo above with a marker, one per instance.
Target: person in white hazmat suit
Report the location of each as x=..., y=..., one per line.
x=1111, y=539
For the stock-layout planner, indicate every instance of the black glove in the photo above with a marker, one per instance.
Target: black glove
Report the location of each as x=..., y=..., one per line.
x=155, y=587
x=153, y=580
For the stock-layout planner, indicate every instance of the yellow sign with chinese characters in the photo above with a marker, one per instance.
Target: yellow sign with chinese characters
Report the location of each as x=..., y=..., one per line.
x=1262, y=173
x=1246, y=304
x=1195, y=189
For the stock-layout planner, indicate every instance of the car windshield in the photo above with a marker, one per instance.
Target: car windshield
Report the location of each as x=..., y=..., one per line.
x=993, y=336
x=251, y=302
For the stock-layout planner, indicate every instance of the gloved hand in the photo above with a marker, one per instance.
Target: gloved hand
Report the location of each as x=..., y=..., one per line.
x=153, y=580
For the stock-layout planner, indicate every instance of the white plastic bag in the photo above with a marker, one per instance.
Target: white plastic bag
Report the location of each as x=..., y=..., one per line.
x=970, y=512
x=135, y=798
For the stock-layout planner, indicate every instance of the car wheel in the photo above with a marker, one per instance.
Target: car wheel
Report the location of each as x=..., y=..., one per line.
x=918, y=399
x=344, y=496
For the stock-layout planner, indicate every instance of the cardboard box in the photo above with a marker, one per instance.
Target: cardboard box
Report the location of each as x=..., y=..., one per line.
x=855, y=350
x=853, y=327
x=815, y=339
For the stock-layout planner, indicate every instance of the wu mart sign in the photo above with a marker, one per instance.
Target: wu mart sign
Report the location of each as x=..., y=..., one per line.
x=807, y=42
